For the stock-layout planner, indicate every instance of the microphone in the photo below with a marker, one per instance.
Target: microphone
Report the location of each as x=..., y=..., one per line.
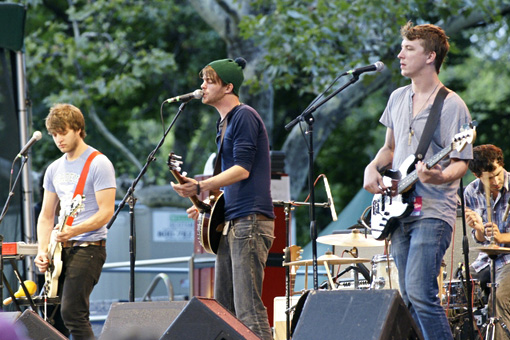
x=35, y=137
x=377, y=66
x=334, y=217
x=197, y=94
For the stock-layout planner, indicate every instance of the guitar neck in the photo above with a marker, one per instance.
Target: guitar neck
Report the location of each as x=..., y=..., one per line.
x=412, y=178
x=201, y=206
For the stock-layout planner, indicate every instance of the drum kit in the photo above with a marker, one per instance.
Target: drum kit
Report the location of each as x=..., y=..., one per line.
x=384, y=275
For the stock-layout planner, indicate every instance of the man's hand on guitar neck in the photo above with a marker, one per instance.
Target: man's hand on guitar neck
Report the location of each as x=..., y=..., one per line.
x=188, y=189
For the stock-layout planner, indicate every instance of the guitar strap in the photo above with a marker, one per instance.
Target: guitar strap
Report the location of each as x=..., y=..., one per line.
x=81, y=182
x=431, y=124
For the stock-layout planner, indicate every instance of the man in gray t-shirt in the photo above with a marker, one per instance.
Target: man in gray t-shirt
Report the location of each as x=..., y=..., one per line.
x=81, y=237
x=420, y=241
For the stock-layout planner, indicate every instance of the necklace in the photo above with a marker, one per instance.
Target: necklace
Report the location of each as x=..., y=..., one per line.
x=411, y=131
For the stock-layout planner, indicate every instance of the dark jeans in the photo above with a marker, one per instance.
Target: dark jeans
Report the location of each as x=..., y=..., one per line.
x=239, y=272
x=81, y=271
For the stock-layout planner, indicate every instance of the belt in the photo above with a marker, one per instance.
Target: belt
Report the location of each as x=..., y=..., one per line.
x=258, y=217
x=74, y=243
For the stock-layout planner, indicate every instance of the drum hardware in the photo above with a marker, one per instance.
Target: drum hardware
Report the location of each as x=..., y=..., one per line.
x=327, y=260
x=493, y=250
x=384, y=273
x=355, y=238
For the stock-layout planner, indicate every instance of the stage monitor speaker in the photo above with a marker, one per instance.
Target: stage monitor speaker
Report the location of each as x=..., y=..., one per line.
x=140, y=320
x=364, y=314
x=206, y=319
x=37, y=328
x=10, y=316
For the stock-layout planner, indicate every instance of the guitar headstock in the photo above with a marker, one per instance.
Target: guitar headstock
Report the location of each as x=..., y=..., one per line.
x=467, y=135
x=174, y=162
x=76, y=206
x=292, y=253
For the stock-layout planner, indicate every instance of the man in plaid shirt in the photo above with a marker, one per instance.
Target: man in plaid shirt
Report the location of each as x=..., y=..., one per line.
x=487, y=165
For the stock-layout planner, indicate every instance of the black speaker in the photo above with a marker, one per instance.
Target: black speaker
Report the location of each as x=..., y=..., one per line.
x=206, y=319
x=37, y=328
x=140, y=320
x=355, y=314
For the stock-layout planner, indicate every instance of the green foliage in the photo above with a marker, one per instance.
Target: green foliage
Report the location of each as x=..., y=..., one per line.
x=120, y=59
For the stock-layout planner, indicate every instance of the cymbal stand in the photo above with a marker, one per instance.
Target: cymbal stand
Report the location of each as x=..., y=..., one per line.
x=493, y=319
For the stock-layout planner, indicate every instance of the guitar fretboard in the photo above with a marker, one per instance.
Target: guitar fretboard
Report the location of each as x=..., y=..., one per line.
x=412, y=178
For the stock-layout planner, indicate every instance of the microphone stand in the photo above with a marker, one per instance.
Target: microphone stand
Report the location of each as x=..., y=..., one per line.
x=465, y=250
x=307, y=117
x=131, y=200
x=24, y=160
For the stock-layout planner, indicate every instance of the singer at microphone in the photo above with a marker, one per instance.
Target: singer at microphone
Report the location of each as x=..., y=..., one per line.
x=35, y=137
x=197, y=94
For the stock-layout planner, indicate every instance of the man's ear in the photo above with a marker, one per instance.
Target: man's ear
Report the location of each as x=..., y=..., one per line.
x=229, y=88
x=432, y=57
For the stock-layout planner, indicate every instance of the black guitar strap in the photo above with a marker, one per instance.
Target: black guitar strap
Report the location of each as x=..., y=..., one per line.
x=223, y=125
x=431, y=124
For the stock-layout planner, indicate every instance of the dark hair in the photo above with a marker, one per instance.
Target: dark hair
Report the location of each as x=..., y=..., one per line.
x=434, y=39
x=484, y=157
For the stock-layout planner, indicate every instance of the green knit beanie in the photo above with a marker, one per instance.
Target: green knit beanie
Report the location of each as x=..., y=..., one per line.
x=230, y=71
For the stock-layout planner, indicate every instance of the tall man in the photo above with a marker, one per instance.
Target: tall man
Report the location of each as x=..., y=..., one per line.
x=487, y=165
x=245, y=181
x=421, y=240
x=83, y=242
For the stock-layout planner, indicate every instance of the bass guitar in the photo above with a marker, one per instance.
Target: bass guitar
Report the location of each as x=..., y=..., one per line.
x=55, y=248
x=388, y=209
x=211, y=217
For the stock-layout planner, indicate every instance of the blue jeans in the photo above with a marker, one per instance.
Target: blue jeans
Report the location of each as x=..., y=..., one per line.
x=418, y=249
x=80, y=273
x=239, y=272
x=502, y=301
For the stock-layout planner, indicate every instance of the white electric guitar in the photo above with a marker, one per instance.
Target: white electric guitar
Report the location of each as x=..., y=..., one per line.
x=387, y=209
x=55, y=248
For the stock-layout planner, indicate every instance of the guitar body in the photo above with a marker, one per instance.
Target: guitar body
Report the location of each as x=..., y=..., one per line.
x=55, y=266
x=54, y=270
x=210, y=224
x=386, y=210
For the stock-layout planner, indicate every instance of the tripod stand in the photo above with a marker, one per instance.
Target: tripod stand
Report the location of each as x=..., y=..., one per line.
x=493, y=251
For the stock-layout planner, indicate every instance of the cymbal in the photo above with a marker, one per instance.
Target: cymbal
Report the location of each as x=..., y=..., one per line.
x=353, y=239
x=492, y=249
x=329, y=259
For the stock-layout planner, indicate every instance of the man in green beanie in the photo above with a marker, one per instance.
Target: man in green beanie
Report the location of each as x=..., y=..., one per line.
x=245, y=178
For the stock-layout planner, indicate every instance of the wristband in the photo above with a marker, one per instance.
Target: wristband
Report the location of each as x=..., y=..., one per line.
x=198, y=188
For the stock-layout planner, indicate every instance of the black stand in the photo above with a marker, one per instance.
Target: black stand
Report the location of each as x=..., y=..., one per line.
x=493, y=319
x=24, y=160
x=308, y=118
x=465, y=251
x=131, y=200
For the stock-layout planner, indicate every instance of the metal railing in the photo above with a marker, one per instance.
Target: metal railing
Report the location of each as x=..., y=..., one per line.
x=147, y=266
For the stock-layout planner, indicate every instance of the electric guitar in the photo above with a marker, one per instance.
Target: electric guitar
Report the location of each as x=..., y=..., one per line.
x=387, y=209
x=55, y=248
x=291, y=254
x=211, y=217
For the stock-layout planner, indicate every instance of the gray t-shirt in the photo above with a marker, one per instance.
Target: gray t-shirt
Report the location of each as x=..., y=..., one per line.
x=62, y=176
x=437, y=201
